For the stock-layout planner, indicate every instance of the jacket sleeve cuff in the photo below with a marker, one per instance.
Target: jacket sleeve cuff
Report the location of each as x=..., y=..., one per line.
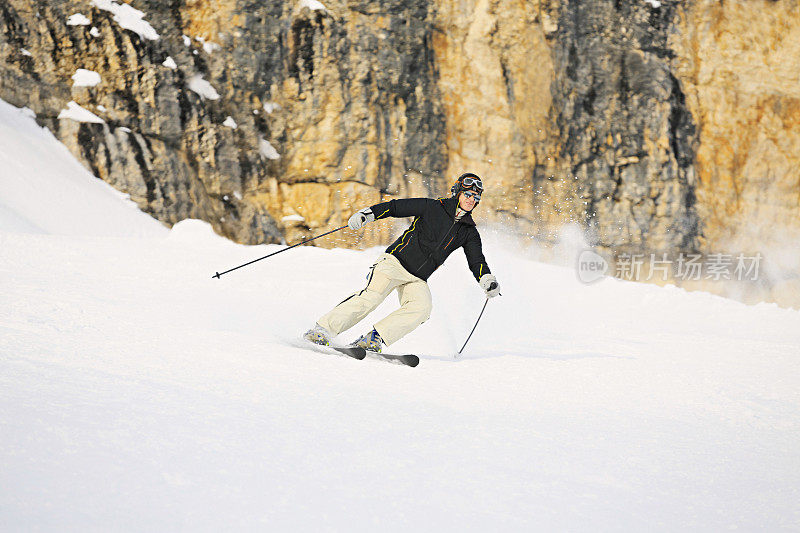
x=382, y=210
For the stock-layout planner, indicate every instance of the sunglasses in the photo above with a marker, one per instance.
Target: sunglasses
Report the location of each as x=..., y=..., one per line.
x=473, y=195
x=472, y=182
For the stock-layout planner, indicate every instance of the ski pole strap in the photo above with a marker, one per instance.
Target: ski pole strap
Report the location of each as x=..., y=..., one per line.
x=475, y=326
x=218, y=274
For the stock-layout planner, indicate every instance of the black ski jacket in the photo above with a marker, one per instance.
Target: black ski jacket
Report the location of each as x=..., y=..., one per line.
x=433, y=235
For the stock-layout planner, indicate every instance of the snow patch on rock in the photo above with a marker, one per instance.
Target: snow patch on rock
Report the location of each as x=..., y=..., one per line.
x=79, y=114
x=313, y=5
x=78, y=19
x=202, y=87
x=208, y=46
x=85, y=78
x=128, y=17
x=267, y=150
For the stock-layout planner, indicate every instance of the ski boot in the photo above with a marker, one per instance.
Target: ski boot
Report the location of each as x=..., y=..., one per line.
x=318, y=335
x=371, y=342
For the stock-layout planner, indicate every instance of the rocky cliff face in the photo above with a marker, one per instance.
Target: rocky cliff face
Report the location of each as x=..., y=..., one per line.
x=739, y=64
x=265, y=119
x=574, y=107
x=655, y=126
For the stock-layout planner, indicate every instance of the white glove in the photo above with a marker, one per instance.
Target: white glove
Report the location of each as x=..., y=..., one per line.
x=360, y=218
x=489, y=285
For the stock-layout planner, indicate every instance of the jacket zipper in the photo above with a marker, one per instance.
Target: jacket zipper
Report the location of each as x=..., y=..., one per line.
x=437, y=246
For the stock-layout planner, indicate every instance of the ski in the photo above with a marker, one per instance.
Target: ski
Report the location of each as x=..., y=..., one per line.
x=360, y=353
x=355, y=353
x=350, y=351
x=407, y=359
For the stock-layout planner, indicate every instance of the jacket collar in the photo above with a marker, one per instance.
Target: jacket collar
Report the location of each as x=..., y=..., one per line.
x=450, y=204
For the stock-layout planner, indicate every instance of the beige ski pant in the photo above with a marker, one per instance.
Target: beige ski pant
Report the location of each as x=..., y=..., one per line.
x=387, y=274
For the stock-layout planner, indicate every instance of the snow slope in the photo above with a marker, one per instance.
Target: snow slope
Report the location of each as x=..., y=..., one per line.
x=43, y=189
x=138, y=393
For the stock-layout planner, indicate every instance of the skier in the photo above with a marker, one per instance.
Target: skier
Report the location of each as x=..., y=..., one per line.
x=439, y=227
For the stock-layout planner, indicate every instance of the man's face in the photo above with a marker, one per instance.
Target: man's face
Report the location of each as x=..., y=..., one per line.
x=466, y=200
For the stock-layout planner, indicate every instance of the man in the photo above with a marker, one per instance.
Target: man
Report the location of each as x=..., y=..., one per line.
x=439, y=227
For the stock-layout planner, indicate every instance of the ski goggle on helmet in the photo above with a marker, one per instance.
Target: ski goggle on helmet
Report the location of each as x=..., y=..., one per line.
x=468, y=182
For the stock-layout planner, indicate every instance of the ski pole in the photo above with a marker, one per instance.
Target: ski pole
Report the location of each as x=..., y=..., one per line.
x=475, y=326
x=218, y=274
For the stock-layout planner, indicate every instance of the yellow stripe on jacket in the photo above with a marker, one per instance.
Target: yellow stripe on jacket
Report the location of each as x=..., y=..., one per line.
x=408, y=232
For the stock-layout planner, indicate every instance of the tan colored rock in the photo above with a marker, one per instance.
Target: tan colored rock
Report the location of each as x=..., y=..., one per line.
x=308, y=209
x=740, y=63
x=495, y=71
x=210, y=19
